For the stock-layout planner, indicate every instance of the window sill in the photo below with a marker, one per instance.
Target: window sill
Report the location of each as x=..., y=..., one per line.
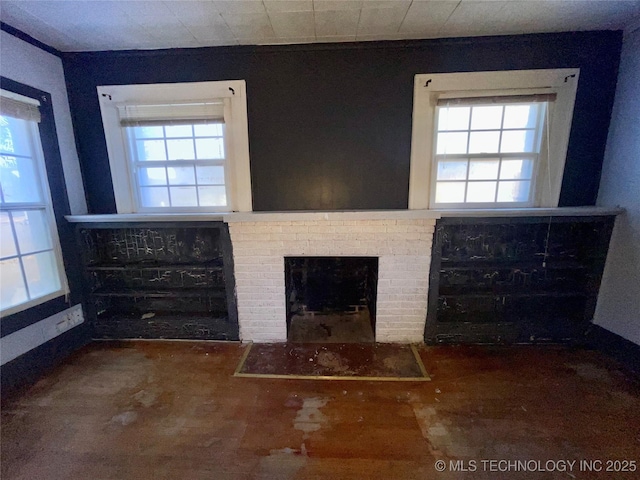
x=231, y=217
x=530, y=212
x=147, y=217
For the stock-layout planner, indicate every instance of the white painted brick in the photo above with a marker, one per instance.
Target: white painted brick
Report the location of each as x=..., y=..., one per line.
x=322, y=229
x=403, y=248
x=398, y=229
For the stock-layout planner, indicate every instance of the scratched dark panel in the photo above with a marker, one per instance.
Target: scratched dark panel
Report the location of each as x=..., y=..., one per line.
x=152, y=245
x=164, y=282
x=517, y=279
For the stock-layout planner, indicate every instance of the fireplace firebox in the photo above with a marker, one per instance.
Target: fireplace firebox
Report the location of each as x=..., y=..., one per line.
x=331, y=299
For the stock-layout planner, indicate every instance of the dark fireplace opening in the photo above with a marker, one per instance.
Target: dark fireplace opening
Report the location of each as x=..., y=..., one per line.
x=331, y=299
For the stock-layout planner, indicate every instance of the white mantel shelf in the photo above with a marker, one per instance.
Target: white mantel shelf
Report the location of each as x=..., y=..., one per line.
x=344, y=215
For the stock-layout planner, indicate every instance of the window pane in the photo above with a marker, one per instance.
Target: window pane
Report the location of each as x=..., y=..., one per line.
x=483, y=169
x=14, y=136
x=152, y=176
x=184, y=197
x=453, y=118
x=151, y=150
x=450, y=192
x=12, y=289
x=210, y=175
x=521, y=116
x=515, y=169
x=19, y=180
x=514, y=191
x=32, y=231
x=178, y=131
x=41, y=272
x=517, y=141
x=180, y=176
x=481, y=192
x=486, y=118
x=7, y=244
x=210, y=148
x=484, y=142
x=208, y=130
x=154, y=197
x=453, y=170
x=212, y=196
x=452, y=143
x=180, y=149
x=148, y=132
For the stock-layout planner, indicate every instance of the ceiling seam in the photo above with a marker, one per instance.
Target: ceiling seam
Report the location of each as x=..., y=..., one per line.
x=450, y=15
x=358, y=24
x=405, y=16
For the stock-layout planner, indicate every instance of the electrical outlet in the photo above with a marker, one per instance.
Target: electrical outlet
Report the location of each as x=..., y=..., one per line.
x=75, y=316
x=64, y=321
x=62, y=326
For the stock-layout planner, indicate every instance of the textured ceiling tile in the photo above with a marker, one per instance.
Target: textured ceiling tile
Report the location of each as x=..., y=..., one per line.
x=475, y=18
x=213, y=35
x=332, y=22
x=85, y=25
x=377, y=21
x=379, y=37
x=377, y=4
x=28, y=18
x=288, y=5
x=194, y=13
x=250, y=25
x=293, y=24
x=290, y=41
x=321, y=5
x=239, y=6
x=427, y=17
x=336, y=38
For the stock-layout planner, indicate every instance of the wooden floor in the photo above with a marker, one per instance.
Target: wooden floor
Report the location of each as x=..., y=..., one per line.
x=159, y=410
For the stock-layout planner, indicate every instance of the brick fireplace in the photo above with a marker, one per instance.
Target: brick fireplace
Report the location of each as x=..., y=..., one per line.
x=401, y=240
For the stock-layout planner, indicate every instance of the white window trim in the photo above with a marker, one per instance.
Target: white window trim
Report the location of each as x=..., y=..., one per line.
x=41, y=172
x=429, y=87
x=238, y=174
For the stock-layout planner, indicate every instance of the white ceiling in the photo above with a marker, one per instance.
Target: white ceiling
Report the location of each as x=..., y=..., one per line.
x=86, y=25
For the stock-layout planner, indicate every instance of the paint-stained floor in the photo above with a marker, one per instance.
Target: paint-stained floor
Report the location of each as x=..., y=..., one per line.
x=162, y=410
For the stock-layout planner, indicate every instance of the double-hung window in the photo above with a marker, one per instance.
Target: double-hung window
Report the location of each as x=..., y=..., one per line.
x=178, y=147
x=490, y=139
x=487, y=150
x=31, y=268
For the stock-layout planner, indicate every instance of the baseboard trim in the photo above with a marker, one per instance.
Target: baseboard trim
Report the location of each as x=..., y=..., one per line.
x=624, y=351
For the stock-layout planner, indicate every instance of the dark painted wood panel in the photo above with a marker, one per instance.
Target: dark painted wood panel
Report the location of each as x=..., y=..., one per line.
x=159, y=280
x=522, y=280
x=330, y=125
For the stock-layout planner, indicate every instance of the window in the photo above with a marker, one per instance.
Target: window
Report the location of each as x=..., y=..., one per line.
x=178, y=147
x=31, y=269
x=490, y=139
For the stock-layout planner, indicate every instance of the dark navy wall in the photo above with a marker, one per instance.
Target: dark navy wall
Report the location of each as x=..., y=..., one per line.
x=330, y=125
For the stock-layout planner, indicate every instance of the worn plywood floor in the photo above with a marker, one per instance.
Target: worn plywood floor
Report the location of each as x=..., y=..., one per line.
x=160, y=410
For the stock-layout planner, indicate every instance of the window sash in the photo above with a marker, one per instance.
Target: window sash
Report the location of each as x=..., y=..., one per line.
x=56, y=273
x=135, y=164
x=533, y=156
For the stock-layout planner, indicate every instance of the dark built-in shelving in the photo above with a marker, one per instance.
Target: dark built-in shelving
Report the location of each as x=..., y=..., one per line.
x=515, y=280
x=160, y=280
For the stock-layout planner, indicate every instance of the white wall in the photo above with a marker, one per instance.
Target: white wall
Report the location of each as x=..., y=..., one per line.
x=24, y=63
x=618, y=308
